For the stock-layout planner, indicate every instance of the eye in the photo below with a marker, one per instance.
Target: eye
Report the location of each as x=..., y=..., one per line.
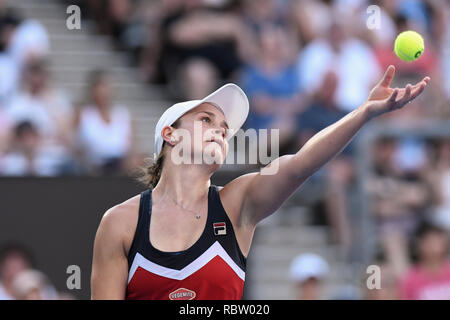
x=208, y=120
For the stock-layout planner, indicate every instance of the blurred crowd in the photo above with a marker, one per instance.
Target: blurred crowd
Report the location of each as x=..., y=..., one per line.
x=425, y=276
x=43, y=132
x=304, y=64
x=20, y=280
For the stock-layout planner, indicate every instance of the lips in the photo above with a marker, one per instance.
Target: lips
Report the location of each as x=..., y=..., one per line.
x=219, y=142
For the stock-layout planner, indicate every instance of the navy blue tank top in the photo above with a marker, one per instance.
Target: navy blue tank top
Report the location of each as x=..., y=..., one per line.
x=212, y=268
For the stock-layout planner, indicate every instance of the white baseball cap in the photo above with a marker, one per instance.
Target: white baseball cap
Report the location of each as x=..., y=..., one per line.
x=229, y=98
x=308, y=265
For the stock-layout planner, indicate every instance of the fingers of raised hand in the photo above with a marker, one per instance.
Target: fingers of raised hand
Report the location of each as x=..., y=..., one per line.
x=392, y=99
x=388, y=76
x=411, y=92
x=418, y=90
x=406, y=96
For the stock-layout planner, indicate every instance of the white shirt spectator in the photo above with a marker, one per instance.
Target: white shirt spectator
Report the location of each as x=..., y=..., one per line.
x=441, y=213
x=355, y=66
x=24, y=107
x=9, y=78
x=44, y=112
x=446, y=55
x=46, y=162
x=29, y=40
x=102, y=140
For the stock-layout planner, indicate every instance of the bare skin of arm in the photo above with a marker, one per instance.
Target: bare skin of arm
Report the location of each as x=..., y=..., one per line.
x=252, y=197
x=110, y=265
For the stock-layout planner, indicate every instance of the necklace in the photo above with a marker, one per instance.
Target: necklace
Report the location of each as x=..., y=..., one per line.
x=197, y=215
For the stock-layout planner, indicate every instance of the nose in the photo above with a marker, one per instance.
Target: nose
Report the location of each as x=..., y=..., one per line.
x=221, y=131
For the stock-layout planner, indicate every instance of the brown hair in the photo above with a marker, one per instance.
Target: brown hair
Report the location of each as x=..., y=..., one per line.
x=151, y=173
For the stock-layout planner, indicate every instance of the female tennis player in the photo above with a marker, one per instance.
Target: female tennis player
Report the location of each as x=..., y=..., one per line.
x=185, y=238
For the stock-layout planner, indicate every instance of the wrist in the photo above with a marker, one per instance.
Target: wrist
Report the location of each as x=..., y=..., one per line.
x=366, y=111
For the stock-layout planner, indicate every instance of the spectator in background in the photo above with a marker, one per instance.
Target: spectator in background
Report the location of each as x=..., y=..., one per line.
x=429, y=278
x=47, y=108
x=142, y=37
x=27, y=156
x=104, y=128
x=322, y=111
x=257, y=14
x=445, y=50
x=307, y=272
x=49, y=114
x=438, y=178
x=310, y=18
x=351, y=59
x=9, y=71
x=29, y=42
x=4, y=131
x=388, y=289
x=272, y=85
x=201, y=45
x=399, y=198
x=14, y=259
x=33, y=285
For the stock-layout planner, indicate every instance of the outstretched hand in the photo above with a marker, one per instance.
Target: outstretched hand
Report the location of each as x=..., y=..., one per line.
x=383, y=98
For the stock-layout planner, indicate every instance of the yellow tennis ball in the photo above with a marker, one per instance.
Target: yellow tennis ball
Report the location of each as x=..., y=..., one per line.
x=409, y=46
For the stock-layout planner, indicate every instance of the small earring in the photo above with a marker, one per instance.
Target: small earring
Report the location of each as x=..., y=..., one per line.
x=172, y=139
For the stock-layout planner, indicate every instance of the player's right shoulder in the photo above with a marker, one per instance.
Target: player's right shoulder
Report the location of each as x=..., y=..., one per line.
x=120, y=221
x=122, y=215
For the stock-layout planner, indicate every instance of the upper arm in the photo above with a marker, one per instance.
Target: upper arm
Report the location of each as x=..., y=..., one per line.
x=259, y=194
x=110, y=264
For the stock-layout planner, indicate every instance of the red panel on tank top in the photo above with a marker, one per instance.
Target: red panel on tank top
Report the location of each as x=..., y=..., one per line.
x=222, y=283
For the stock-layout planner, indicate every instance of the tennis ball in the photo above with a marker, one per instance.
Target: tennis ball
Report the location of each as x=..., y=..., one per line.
x=409, y=46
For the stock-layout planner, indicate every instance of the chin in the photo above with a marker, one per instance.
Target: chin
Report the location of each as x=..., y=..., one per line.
x=215, y=159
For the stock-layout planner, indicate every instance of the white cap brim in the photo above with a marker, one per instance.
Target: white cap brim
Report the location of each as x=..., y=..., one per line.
x=229, y=98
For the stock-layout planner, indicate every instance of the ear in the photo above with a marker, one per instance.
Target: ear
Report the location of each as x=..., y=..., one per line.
x=167, y=134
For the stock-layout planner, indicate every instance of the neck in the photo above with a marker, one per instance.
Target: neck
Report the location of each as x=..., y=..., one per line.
x=187, y=184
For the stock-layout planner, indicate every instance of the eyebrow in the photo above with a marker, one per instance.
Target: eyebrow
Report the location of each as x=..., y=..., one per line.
x=224, y=123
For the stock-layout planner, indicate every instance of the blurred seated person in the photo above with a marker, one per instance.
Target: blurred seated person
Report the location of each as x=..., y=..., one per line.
x=351, y=59
x=47, y=108
x=429, y=278
x=196, y=31
x=399, y=196
x=29, y=42
x=438, y=178
x=308, y=272
x=28, y=156
x=33, y=285
x=322, y=111
x=388, y=289
x=272, y=85
x=9, y=69
x=14, y=259
x=104, y=128
x=4, y=130
x=257, y=14
x=310, y=18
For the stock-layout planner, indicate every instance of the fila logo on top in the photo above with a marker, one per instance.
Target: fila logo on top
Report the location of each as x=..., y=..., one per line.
x=220, y=228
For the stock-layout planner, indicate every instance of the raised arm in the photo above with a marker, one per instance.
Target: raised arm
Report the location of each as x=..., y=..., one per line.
x=264, y=194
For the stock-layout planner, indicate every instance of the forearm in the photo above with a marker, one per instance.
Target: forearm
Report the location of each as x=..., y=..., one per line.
x=329, y=142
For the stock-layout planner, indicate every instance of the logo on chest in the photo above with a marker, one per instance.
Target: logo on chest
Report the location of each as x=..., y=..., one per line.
x=220, y=228
x=182, y=294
